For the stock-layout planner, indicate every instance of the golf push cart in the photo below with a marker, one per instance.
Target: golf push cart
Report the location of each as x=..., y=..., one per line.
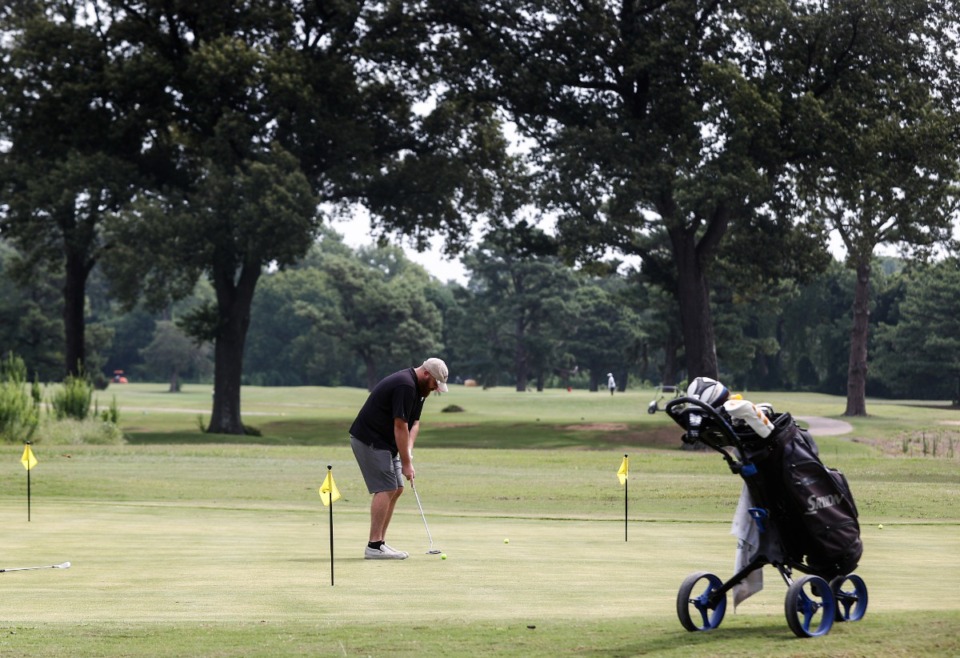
x=660, y=394
x=804, y=514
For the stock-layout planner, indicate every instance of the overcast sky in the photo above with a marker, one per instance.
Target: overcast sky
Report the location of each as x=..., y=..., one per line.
x=356, y=233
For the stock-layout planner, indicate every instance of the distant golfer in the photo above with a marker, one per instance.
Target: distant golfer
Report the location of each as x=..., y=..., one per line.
x=611, y=383
x=382, y=437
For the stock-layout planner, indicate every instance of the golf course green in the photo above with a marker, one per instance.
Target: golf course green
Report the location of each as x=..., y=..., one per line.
x=187, y=544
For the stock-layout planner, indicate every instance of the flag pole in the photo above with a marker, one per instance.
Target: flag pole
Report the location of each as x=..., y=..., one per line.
x=626, y=488
x=28, y=493
x=330, y=474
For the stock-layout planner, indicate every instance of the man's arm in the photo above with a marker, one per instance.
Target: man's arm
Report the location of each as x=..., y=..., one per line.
x=405, y=439
x=414, y=433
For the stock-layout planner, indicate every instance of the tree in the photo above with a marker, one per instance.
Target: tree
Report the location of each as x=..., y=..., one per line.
x=31, y=324
x=642, y=117
x=607, y=334
x=919, y=355
x=71, y=134
x=173, y=353
x=523, y=296
x=269, y=108
x=282, y=347
x=380, y=310
x=285, y=347
x=884, y=111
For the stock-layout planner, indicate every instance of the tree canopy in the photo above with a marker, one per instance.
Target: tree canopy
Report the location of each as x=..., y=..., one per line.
x=148, y=145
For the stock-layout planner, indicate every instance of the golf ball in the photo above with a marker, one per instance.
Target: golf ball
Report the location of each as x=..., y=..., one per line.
x=880, y=526
x=506, y=541
x=443, y=556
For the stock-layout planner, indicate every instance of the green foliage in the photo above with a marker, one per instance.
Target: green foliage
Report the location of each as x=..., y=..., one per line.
x=91, y=431
x=19, y=408
x=112, y=413
x=918, y=347
x=58, y=182
x=31, y=313
x=172, y=354
x=206, y=148
x=376, y=307
x=73, y=398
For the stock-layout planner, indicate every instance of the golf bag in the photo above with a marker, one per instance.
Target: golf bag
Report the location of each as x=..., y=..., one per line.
x=799, y=515
x=815, y=511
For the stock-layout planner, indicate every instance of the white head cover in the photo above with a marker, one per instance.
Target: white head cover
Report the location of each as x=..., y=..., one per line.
x=708, y=390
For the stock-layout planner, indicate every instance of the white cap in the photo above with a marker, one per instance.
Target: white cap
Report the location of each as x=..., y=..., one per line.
x=438, y=370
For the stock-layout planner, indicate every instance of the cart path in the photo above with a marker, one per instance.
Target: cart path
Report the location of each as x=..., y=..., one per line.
x=820, y=426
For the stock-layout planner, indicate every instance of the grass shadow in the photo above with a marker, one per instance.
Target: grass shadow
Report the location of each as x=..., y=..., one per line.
x=516, y=436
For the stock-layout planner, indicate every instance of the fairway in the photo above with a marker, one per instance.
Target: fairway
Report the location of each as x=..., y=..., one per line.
x=202, y=548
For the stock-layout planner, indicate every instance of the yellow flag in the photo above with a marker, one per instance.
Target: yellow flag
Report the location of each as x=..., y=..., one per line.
x=624, y=470
x=28, y=460
x=329, y=489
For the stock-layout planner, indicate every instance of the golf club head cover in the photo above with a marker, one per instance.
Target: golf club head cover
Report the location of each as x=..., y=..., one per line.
x=749, y=413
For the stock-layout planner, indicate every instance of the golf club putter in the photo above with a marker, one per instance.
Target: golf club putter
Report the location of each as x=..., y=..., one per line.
x=432, y=550
x=62, y=565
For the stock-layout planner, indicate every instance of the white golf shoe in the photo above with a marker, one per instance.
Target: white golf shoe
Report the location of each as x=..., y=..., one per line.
x=384, y=553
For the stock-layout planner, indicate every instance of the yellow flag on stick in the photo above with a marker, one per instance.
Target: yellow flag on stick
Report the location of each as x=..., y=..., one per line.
x=28, y=460
x=329, y=490
x=624, y=470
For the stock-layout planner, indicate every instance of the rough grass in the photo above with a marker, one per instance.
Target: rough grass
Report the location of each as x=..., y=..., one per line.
x=184, y=544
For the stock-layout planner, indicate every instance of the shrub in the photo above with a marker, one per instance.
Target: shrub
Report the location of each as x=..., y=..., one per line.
x=109, y=415
x=70, y=431
x=73, y=399
x=19, y=410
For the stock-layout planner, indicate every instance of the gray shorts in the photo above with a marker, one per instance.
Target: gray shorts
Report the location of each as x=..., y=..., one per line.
x=380, y=469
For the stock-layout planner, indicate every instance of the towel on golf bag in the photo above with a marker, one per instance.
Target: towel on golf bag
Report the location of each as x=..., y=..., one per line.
x=745, y=529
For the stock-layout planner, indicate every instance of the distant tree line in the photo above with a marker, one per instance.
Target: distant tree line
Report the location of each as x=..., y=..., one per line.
x=173, y=157
x=344, y=317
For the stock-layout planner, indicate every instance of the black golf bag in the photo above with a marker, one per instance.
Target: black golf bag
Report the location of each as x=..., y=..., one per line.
x=804, y=513
x=811, y=503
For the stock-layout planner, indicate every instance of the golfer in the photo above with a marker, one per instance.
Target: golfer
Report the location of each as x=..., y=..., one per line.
x=382, y=437
x=611, y=383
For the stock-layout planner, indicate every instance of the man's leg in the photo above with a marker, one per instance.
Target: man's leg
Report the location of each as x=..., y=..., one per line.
x=381, y=472
x=381, y=511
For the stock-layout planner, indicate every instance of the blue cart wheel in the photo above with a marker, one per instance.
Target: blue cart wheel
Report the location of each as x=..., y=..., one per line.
x=851, y=595
x=694, y=607
x=810, y=607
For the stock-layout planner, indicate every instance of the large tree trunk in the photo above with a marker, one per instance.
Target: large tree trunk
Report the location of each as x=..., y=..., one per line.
x=74, y=298
x=669, y=375
x=693, y=295
x=370, y=366
x=594, y=379
x=520, y=367
x=857, y=368
x=233, y=310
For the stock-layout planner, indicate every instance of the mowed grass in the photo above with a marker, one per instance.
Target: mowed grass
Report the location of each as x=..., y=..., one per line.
x=184, y=544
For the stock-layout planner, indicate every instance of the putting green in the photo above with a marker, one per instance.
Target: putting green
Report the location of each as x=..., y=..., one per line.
x=182, y=563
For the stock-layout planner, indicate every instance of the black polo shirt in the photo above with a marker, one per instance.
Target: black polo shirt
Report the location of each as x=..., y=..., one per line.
x=395, y=396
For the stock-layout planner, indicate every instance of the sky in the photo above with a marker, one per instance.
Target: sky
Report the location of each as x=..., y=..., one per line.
x=356, y=233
